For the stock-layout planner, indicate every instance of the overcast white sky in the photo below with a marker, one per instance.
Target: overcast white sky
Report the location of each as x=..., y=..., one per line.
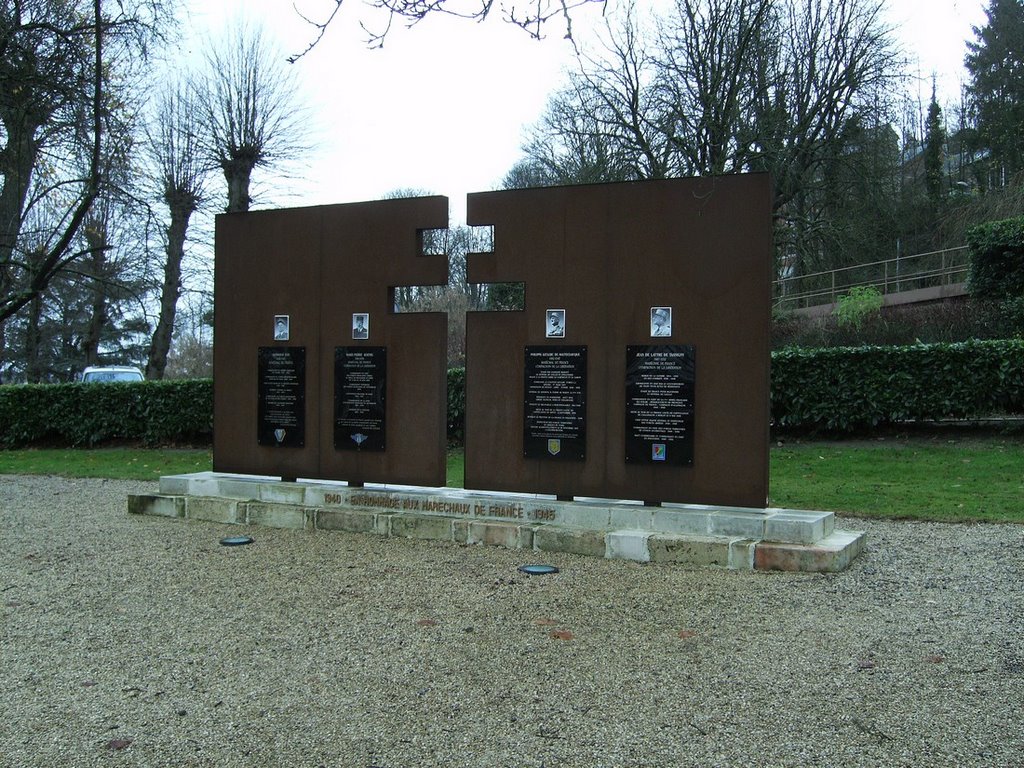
x=443, y=107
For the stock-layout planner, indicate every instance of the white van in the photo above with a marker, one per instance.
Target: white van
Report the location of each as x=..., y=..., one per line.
x=107, y=373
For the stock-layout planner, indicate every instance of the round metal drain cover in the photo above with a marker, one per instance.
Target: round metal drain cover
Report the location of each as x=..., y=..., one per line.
x=538, y=569
x=236, y=541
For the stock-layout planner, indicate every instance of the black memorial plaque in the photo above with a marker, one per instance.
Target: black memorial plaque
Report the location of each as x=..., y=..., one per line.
x=360, y=388
x=555, y=403
x=659, y=404
x=281, y=411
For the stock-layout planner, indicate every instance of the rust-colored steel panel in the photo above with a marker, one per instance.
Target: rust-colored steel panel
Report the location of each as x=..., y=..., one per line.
x=266, y=264
x=321, y=267
x=607, y=254
x=367, y=249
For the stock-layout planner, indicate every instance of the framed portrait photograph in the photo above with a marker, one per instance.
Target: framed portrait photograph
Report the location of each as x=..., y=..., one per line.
x=554, y=323
x=661, y=322
x=282, y=327
x=360, y=325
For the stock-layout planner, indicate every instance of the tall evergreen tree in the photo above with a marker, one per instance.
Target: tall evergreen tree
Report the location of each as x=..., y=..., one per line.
x=995, y=64
x=934, y=153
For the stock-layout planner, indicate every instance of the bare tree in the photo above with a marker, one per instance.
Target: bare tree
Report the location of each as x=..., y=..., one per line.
x=175, y=146
x=250, y=109
x=705, y=80
x=788, y=86
x=532, y=16
x=88, y=312
x=578, y=140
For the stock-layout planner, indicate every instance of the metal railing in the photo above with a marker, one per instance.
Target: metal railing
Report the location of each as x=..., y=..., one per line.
x=948, y=266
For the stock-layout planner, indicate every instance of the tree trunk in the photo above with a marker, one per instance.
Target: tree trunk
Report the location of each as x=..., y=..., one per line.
x=180, y=214
x=16, y=163
x=34, y=342
x=97, y=321
x=238, y=173
x=98, y=304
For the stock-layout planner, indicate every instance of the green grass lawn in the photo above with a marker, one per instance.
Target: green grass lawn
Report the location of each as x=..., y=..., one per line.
x=135, y=463
x=920, y=479
x=946, y=480
x=116, y=463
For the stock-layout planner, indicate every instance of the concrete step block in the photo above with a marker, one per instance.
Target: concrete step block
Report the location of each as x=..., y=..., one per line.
x=736, y=523
x=507, y=535
x=215, y=510
x=175, y=485
x=679, y=521
x=349, y=520
x=628, y=545
x=282, y=493
x=632, y=517
x=460, y=531
x=702, y=551
x=156, y=504
x=833, y=553
x=422, y=527
x=577, y=541
x=278, y=515
x=795, y=527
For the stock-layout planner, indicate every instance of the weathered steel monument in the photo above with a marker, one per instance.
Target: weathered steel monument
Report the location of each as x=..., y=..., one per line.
x=321, y=397
x=624, y=412
x=671, y=412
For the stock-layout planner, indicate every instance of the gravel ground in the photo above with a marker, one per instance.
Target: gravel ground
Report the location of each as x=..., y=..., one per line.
x=140, y=641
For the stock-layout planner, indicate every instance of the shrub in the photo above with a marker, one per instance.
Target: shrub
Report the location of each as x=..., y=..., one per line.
x=943, y=321
x=152, y=412
x=850, y=389
x=838, y=389
x=997, y=259
x=456, y=405
x=861, y=302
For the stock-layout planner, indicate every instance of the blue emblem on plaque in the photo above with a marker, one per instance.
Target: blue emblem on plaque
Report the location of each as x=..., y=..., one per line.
x=279, y=435
x=658, y=452
x=359, y=438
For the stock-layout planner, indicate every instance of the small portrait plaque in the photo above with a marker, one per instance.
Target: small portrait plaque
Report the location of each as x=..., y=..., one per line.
x=360, y=390
x=660, y=381
x=281, y=392
x=282, y=327
x=554, y=324
x=360, y=325
x=555, y=403
x=661, y=322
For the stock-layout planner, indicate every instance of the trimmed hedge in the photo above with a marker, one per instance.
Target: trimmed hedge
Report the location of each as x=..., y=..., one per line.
x=997, y=259
x=847, y=389
x=152, y=412
x=839, y=389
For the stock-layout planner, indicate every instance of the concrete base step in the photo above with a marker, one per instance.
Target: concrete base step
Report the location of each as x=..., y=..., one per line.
x=770, y=539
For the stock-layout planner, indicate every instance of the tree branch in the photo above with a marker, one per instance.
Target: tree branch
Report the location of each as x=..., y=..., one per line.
x=532, y=19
